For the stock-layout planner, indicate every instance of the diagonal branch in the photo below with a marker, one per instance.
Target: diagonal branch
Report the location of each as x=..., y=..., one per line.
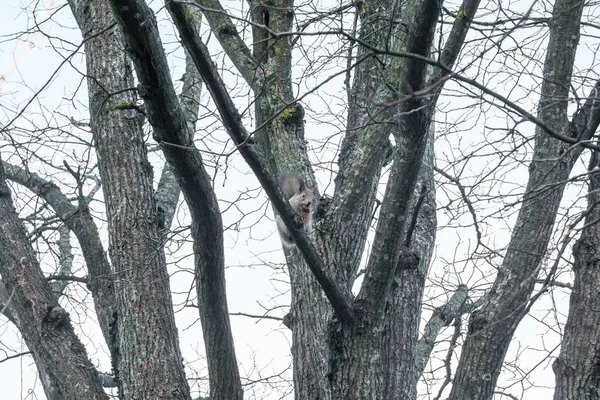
x=171, y=130
x=412, y=120
x=168, y=191
x=442, y=316
x=239, y=135
x=229, y=38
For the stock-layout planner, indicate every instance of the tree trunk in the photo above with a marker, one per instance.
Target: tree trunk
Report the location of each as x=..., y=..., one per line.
x=62, y=362
x=171, y=130
x=142, y=294
x=491, y=327
x=577, y=367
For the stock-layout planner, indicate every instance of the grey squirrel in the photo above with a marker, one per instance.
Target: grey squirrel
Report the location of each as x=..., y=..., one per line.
x=301, y=200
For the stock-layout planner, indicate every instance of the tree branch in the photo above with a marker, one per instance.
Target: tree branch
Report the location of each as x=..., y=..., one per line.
x=5, y=299
x=229, y=38
x=65, y=261
x=59, y=355
x=169, y=125
x=239, y=135
x=81, y=222
x=411, y=120
x=167, y=191
x=442, y=316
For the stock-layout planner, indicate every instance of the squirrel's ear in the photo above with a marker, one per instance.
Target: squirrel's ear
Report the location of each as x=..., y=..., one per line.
x=301, y=186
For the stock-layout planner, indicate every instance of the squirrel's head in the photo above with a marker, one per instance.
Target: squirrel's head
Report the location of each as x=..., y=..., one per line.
x=306, y=198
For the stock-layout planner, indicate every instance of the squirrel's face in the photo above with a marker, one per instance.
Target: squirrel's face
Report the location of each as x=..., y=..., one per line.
x=305, y=203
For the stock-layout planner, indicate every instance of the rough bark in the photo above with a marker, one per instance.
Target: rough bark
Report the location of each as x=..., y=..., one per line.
x=341, y=245
x=363, y=151
x=64, y=368
x=577, y=368
x=143, y=368
x=171, y=130
x=80, y=221
x=361, y=349
x=492, y=326
x=403, y=309
x=281, y=140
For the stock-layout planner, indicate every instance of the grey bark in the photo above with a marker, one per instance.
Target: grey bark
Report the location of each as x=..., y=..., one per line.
x=492, y=326
x=577, y=368
x=442, y=317
x=65, y=261
x=64, y=368
x=168, y=189
x=80, y=221
x=171, y=130
x=320, y=345
x=143, y=308
x=402, y=313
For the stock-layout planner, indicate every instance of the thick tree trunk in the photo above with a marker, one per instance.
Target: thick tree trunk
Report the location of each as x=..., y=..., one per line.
x=171, y=130
x=281, y=141
x=577, y=368
x=328, y=354
x=62, y=362
x=143, y=368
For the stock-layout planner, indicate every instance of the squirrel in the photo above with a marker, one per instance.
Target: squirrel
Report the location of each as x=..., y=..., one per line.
x=301, y=200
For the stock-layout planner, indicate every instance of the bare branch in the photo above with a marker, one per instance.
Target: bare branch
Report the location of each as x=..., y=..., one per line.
x=227, y=34
x=7, y=358
x=240, y=137
x=468, y=202
x=81, y=222
x=66, y=259
x=442, y=316
x=259, y=317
